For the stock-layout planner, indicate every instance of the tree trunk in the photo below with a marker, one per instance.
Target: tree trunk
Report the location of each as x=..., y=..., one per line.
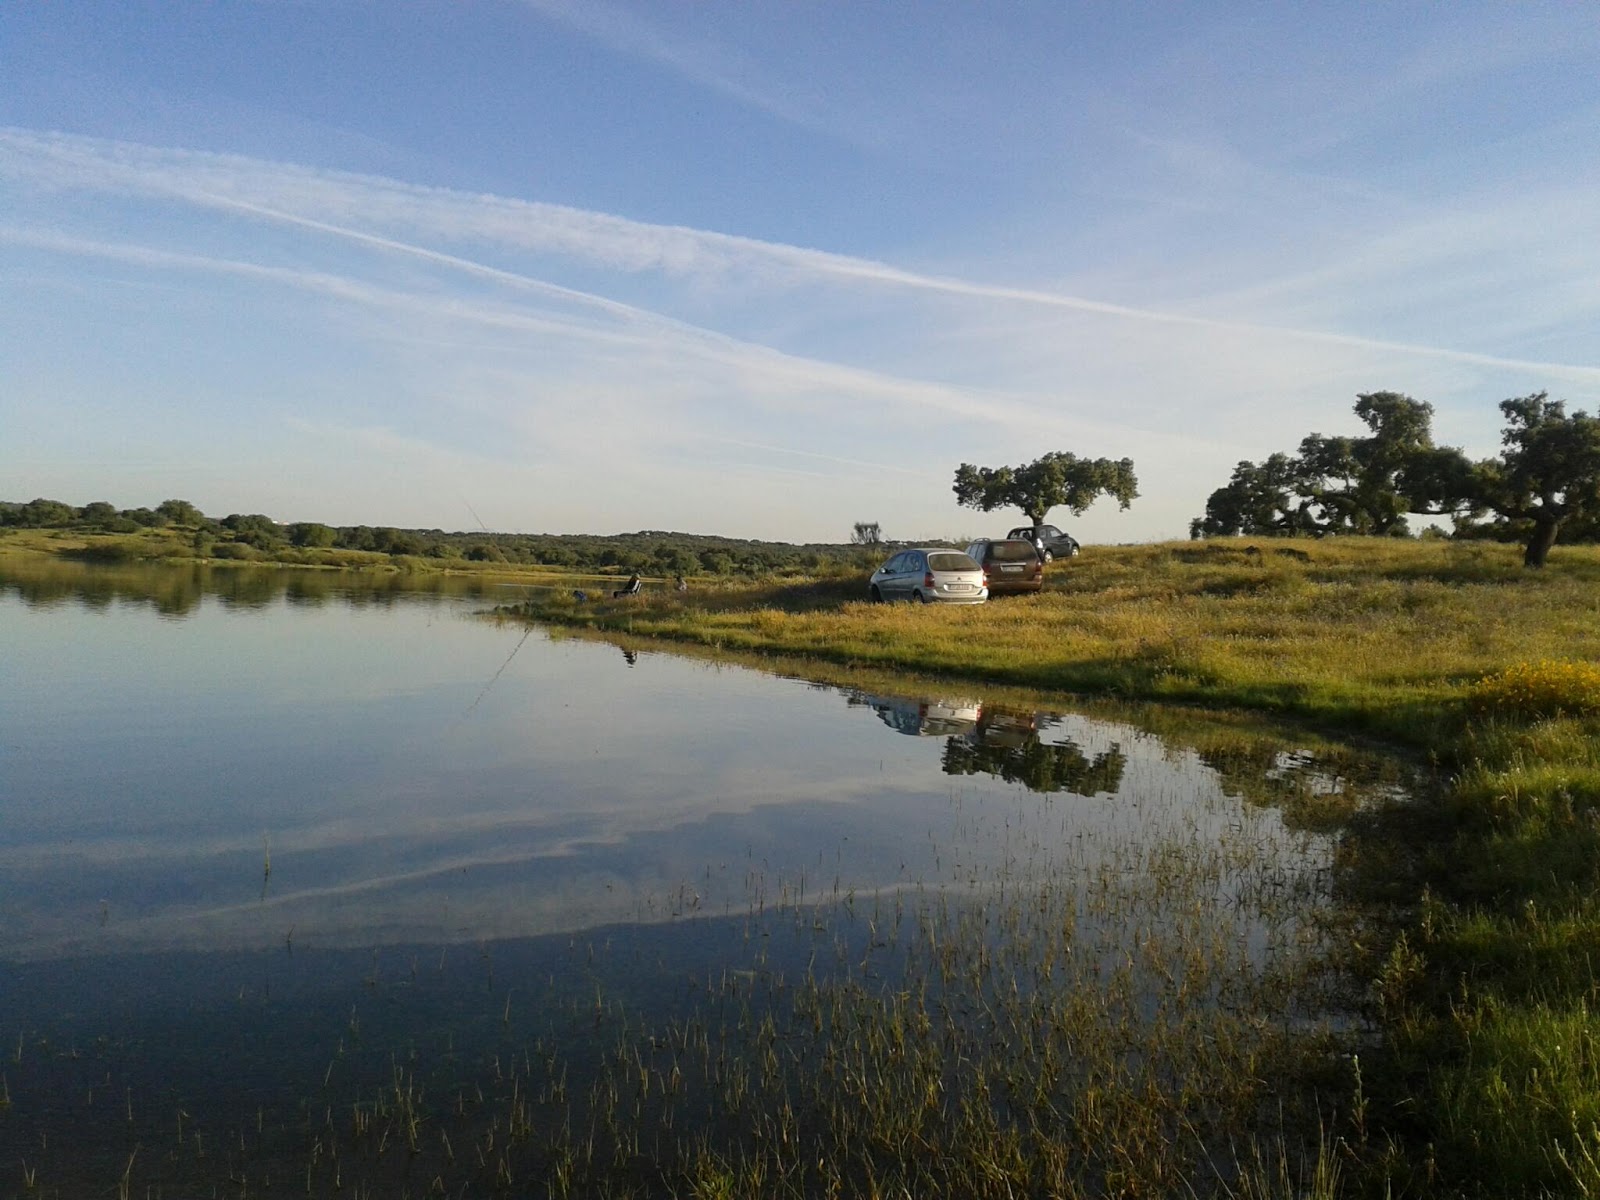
x=1545, y=529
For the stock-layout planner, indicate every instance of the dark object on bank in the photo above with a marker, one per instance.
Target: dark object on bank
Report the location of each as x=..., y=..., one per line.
x=1052, y=543
x=635, y=584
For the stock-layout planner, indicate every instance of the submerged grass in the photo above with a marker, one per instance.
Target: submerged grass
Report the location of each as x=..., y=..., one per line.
x=1111, y=1014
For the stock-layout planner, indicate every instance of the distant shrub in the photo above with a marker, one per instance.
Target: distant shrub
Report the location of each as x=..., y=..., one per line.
x=97, y=513
x=236, y=550
x=1548, y=688
x=312, y=535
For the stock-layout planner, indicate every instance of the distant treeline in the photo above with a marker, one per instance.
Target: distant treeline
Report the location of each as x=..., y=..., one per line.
x=255, y=536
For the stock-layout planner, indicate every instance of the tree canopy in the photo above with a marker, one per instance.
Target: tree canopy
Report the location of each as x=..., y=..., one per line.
x=1547, y=474
x=1546, y=478
x=1263, y=500
x=1057, y=479
x=1333, y=484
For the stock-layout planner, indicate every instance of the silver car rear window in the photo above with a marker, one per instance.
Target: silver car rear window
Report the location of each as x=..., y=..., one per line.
x=951, y=561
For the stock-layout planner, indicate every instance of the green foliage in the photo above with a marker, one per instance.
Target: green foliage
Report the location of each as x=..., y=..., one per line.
x=254, y=529
x=1362, y=485
x=1547, y=478
x=1522, y=1108
x=312, y=535
x=1260, y=501
x=1056, y=479
x=39, y=514
x=180, y=512
x=668, y=559
x=1037, y=765
x=402, y=541
x=97, y=514
x=649, y=552
x=1548, y=473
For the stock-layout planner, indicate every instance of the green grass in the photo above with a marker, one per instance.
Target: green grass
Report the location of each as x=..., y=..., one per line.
x=1380, y=635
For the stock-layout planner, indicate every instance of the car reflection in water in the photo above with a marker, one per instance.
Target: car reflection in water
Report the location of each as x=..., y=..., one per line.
x=922, y=718
x=1003, y=742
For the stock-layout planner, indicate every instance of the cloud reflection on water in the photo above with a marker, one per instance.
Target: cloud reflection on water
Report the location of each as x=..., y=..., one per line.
x=343, y=744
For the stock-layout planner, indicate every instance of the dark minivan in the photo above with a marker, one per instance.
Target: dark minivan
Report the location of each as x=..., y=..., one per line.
x=1011, y=566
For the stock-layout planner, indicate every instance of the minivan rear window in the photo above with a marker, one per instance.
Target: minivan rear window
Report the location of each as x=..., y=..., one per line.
x=1012, y=551
x=951, y=561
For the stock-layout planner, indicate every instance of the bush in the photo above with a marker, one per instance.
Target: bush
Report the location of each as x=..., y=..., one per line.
x=312, y=535
x=1547, y=688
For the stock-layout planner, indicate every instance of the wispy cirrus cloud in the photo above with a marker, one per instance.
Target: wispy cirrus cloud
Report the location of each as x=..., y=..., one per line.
x=706, y=64
x=777, y=373
x=335, y=203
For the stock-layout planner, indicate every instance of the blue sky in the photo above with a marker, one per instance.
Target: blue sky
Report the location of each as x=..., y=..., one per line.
x=767, y=269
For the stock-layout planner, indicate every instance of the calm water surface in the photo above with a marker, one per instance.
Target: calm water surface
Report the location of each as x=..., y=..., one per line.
x=411, y=772
x=248, y=818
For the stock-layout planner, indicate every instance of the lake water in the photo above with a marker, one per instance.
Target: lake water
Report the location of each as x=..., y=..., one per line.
x=268, y=838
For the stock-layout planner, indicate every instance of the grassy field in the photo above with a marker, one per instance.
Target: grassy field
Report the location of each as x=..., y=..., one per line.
x=1380, y=635
x=1478, y=913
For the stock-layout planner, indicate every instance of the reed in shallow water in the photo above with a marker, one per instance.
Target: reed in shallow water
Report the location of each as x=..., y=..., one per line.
x=1094, y=1012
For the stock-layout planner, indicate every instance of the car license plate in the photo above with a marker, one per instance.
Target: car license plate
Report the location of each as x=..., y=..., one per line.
x=960, y=587
x=1010, y=568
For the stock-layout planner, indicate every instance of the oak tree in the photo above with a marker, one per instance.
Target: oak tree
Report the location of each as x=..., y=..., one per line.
x=1057, y=479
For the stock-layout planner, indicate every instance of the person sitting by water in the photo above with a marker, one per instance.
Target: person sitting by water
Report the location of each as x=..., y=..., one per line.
x=682, y=584
x=634, y=584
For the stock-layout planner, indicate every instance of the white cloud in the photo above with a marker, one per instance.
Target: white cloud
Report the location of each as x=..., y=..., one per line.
x=318, y=200
x=707, y=64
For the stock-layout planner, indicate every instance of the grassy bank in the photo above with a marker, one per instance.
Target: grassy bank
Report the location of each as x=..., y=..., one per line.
x=1477, y=917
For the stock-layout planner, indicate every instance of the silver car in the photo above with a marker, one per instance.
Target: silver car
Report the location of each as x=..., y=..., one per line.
x=931, y=575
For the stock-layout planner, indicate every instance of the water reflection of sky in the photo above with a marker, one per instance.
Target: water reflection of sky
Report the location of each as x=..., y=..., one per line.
x=409, y=783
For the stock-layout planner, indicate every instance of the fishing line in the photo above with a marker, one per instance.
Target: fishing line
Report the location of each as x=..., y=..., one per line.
x=493, y=678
